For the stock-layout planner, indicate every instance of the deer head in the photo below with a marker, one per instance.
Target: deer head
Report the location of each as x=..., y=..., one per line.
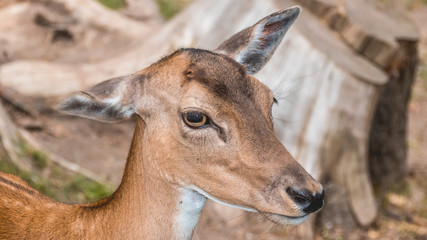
x=208, y=124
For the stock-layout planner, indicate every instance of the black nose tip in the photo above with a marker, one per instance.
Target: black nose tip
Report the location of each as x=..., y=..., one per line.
x=316, y=203
x=305, y=198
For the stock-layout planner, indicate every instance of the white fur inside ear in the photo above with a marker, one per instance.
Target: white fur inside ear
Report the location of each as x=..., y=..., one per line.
x=107, y=110
x=116, y=103
x=112, y=101
x=254, y=46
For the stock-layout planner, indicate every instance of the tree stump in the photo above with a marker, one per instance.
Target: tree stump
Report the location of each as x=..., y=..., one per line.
x=389, y=40
x=69, y=31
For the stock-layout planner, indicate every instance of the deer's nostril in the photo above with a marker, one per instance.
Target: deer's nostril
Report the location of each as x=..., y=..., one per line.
x=316, y=203
x=306, y=199
x=301, y=197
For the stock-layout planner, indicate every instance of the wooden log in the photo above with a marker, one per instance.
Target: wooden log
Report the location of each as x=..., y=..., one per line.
x=67, y=31
x=365, y=26
x=390, y=40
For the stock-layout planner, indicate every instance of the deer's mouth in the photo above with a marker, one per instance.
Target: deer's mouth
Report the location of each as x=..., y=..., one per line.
x=285, y=220
x=274, y=217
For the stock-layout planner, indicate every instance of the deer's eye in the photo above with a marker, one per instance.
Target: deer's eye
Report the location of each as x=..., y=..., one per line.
x=196, y=119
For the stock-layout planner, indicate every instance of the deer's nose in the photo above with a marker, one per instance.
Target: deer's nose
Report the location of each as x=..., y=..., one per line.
x=311, y=202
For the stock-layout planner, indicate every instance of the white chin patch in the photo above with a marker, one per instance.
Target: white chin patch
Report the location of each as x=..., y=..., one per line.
x=189, y=207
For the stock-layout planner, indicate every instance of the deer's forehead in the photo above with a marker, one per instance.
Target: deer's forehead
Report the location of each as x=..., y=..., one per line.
x=221, y=78
x=220, y=75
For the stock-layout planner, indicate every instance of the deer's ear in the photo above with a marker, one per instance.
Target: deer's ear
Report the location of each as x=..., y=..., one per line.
x=254, y=46
x=109, y=101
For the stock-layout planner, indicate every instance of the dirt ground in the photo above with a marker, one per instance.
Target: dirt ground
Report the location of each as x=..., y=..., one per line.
x=102, y=148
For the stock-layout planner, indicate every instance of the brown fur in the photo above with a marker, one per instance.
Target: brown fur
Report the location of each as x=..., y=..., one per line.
x=29, y=216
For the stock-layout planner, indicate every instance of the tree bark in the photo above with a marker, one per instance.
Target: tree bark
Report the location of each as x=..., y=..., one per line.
x=387, y=143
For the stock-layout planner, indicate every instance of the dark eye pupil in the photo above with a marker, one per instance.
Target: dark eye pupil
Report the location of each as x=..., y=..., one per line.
x=194, y=117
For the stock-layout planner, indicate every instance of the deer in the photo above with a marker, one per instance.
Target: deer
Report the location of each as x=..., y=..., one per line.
x=204, y=130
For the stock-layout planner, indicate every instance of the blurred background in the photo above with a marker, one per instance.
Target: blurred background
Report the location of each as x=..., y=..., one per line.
x=350, y=77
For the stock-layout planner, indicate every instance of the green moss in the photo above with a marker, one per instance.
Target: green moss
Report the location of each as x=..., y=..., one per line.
x=58, y=186
x=113, y=4
x=33, y=180
x=7, y=167
x=38, y=157
x=169, y=8
x=92, y=190
x=53, y=181
x=410, y=5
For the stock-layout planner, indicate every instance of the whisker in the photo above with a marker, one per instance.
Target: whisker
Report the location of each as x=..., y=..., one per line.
x=316, y=170
x=286, y=121
x=285, y=89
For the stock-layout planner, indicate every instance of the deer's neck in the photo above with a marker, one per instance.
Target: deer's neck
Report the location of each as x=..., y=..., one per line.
x=145, y=206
